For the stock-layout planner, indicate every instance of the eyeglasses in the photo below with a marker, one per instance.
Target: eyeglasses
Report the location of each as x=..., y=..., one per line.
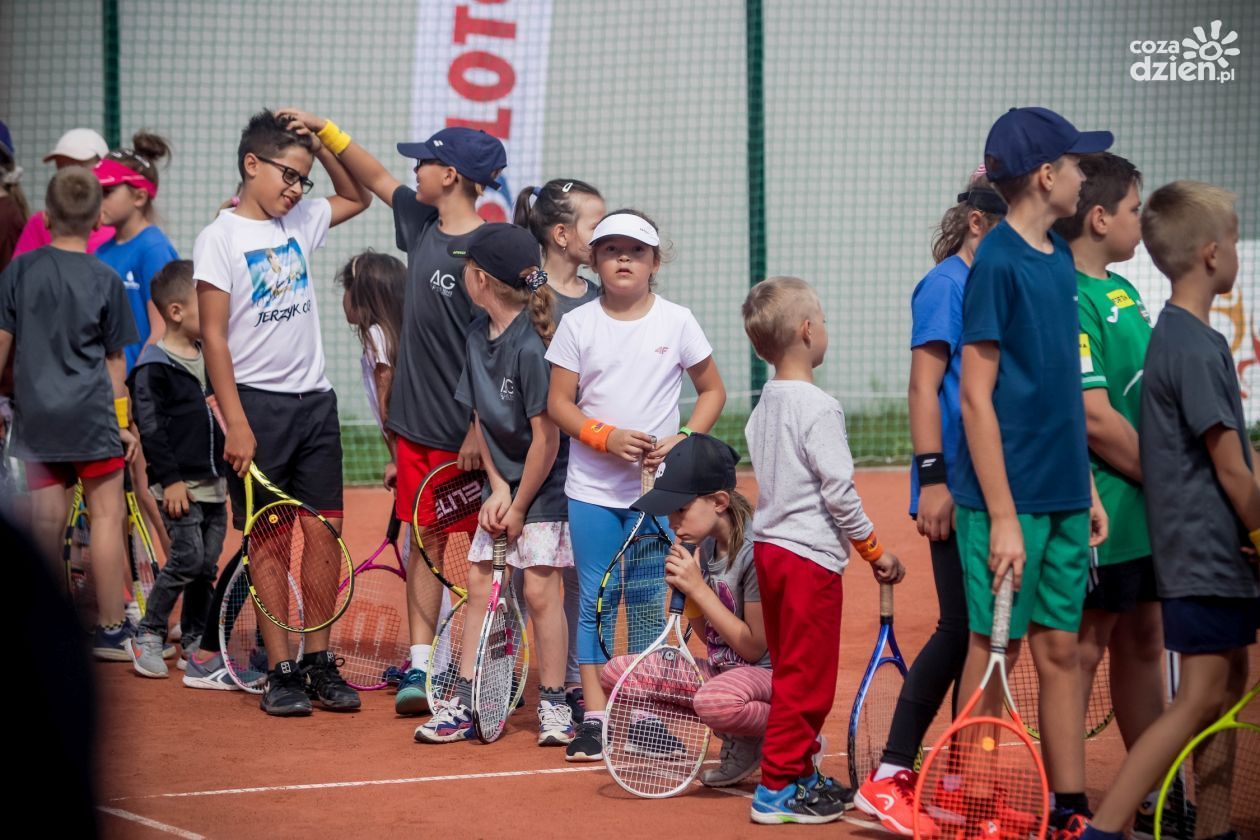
x=290, y=175
x=421, y=163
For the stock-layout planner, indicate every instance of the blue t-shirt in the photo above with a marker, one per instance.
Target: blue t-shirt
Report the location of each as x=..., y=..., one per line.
x=1025, y=301
x=136, y=261
x=936, y=315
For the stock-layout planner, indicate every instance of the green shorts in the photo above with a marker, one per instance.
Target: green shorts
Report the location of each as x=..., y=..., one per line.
x=1056, y=570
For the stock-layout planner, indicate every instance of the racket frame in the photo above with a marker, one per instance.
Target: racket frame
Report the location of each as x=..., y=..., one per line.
x=501, y=599
x=225, y=630
x=466, y=493
x=885, y=639
x=370, y=565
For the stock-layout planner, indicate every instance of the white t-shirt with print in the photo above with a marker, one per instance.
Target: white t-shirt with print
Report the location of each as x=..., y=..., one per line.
x=373, y=355
x=630, y=375
x=273, y=322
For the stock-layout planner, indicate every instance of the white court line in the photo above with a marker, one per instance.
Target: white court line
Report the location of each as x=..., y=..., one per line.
x=148, y=823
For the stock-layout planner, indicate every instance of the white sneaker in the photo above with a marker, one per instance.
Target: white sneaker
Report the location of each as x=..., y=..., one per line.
x=555, y=724
x=211, y=674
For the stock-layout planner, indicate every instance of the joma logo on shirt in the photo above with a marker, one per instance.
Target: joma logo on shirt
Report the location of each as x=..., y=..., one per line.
x=444, y=283
x=507, y=391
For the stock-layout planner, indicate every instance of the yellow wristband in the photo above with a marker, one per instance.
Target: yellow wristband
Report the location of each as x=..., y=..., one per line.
x=1255, y=538
x=333, y=137
x=870, y=548
x=120, y=410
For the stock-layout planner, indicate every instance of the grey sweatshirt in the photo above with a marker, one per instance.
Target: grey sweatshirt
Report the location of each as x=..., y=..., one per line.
x=806, y=501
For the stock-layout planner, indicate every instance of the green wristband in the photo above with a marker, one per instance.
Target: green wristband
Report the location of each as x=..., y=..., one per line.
x=685, y=431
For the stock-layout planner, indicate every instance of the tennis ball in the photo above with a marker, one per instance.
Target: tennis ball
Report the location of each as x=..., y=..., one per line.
x=988, y=744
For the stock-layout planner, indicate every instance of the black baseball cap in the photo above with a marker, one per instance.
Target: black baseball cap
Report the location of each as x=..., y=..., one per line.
x=476, y=155
x=1024, y=138
x=696, y=466
x=504, y=252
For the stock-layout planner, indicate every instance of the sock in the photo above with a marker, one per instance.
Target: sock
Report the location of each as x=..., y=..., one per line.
x=463, y=691
x=113, y=628
x=1092, y=833
x=1148, y=802
x=1072, y=803
x=420, y=656
x=551, y=695
x=594, y=717
x=887, y=771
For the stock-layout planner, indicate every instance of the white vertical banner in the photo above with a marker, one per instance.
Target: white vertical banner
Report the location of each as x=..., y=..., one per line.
x=483, y=64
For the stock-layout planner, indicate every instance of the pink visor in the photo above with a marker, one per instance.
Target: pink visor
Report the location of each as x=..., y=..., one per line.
x=112, y=173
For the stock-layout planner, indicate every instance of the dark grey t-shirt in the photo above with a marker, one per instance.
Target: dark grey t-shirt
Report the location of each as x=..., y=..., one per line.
x=67, y=311
x=735, y=584
x=566, y=304
x=505, y=381
x=436, y=315
x=1189, y=386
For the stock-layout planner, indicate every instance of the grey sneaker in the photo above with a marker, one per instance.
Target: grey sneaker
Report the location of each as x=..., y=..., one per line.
x=146, y=655
x=739, y=759
x=211, y=674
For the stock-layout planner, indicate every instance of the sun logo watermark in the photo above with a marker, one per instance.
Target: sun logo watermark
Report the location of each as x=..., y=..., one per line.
x=1205, y=57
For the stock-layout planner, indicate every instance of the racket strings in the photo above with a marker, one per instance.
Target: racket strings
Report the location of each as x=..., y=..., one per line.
x=1218, y=788
x=286, y=544
x=240, y=640
x=445, y=520
x=1025, y=688
x=371, y=635
x=875, y=719
x=494, y=681
x=635, y=597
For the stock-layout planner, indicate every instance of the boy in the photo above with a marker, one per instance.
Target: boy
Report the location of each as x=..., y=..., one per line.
x=65, y=316
x=427, y=425
x=1121, y=610
x=806, y=510
x=1024, y=497
x=184, y=449
x=265, y=361
x=1202, y=497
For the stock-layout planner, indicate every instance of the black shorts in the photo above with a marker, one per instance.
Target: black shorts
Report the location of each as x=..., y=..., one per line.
x=1122, y=586
x=299, y=450
x=1210, y=625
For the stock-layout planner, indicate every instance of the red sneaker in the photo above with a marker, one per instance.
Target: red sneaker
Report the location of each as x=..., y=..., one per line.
x=891, y=801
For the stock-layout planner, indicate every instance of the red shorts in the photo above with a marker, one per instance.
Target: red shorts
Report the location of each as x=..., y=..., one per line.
x=65, y=473
x=414, y=462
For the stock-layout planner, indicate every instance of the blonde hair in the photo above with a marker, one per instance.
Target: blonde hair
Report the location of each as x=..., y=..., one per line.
x=955, y=225
x=540, y=303
x=739, y=513
x=774, y=310
x=1180, y=218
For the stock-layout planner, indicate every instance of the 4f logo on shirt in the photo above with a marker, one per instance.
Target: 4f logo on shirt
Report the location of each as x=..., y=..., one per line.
x=442, y=283
x=1087, y=360
x=507, y=391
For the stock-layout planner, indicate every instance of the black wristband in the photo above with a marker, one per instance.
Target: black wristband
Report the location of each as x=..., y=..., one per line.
x=931, y=468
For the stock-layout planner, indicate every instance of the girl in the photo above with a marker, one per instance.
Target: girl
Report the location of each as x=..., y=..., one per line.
x=562, y=214
x=935, y=426
x=697, y=492
x=617, y=366
x=505, y=385
x=77, y=147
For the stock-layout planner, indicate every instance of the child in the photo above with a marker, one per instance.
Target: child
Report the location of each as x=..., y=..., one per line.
x=432, y=223
x=265, y=360
x=935, y=426
x=562, y=214
x=1121, y=609
x=77, y=147
x=806, y=508
x=505, y=384
x=1023, y=489
x=184, y=449
x=64, y=315
x=696, y=490
x=617, y=367
x=1202, y=497
x=14, y=210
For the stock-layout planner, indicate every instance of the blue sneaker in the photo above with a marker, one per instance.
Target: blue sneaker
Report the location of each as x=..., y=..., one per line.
x=451, y=722
x=412, y=699
x=111, y=645
x=210, y=673
x=793, y=804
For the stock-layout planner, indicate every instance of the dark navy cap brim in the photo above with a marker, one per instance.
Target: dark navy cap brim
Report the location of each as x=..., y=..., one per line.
x=662, y=502
x=1090, y=142
x=418, y=151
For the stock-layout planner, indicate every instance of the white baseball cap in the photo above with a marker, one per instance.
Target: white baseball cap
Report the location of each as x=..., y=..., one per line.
x=627, y=224
x=80, y=144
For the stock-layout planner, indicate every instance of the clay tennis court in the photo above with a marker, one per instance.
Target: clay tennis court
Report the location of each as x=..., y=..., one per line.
x=210, y=764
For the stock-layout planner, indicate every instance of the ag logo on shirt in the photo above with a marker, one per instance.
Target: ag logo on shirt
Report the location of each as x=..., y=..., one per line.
x=279, y=280
x=442, y=283
x=507, y=391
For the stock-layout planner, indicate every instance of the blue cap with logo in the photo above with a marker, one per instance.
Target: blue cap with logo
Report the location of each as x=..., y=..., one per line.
x=476, y=155
x=1024, y=138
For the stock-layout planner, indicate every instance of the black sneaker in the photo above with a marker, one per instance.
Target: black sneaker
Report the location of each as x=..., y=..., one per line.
x=577, y=705
x=1177, y=824
x=285, y=692
x=651, y=737
x=828, y=789
x=324, y=683
x=587, y=744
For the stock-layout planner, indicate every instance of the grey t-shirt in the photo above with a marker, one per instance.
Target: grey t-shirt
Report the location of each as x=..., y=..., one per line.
x=505, y=381
x=436, y=315
x=1189, y=386
x=735, y=584
x=566, y=304
x=67, y=311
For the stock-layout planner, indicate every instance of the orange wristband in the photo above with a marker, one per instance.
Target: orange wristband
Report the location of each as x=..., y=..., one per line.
x=870, y=548
x=595, y=434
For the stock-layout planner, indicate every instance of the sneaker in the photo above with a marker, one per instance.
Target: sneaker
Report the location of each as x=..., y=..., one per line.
x=650, y=737
x=555, y=724
x=168, y=650
x=949, y=806
x=412, y=699
x=1072, y=828
x=587, y=743
x=111, y=645
x=451, y=722
x=1175, y=823
x=325, y=683
x=285, y=692
x=891, y=801
x=146, y=655
x=187, y=649
x=792, y=804
x=176, y=634
x=131, y=612
x=209, y=674
x=740, y=757
x=577, y=705
x=822, y=784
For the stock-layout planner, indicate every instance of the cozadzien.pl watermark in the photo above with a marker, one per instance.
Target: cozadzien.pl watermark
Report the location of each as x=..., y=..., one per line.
x=1206, y=55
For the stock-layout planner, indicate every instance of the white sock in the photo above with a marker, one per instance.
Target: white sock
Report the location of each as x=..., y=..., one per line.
x=887, y=771
x=1149, y=801
x=420, y=656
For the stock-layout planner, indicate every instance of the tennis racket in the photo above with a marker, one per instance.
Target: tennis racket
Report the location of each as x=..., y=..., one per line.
x=1026, y=689
x=984, y=776
x=443, y=520
x=140, y=554
x=372, y=636
x=1218, y=771
x=76, y=556
x=500, y=647
x=877, y=695
x=240, y=640
x=654, y=742
x=286, y=541
x=447, y=653
x=630, y=601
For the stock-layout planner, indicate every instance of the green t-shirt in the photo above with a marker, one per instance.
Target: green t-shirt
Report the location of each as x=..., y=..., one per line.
x=1115, y=330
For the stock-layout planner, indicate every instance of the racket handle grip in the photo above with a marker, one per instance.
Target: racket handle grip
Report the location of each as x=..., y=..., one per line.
x=885, y=603
x=395, y=526
x=1002, y=614
x=499, y=558
x=677, y=599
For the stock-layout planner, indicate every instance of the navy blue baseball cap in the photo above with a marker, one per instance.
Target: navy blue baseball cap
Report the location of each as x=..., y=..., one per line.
x=6, y=140
x=696, y=466
x=1024, y=138
x=476, y=155
x=507, y=252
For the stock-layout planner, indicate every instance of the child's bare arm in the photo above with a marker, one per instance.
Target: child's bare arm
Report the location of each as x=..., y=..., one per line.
x=562, y=408
x=116, y=365
x=6, y=345
x=351, y=198
x=1232, y=472
x=239, y=444
x=1111, y=436
x=358, y=161
x=710, y=398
